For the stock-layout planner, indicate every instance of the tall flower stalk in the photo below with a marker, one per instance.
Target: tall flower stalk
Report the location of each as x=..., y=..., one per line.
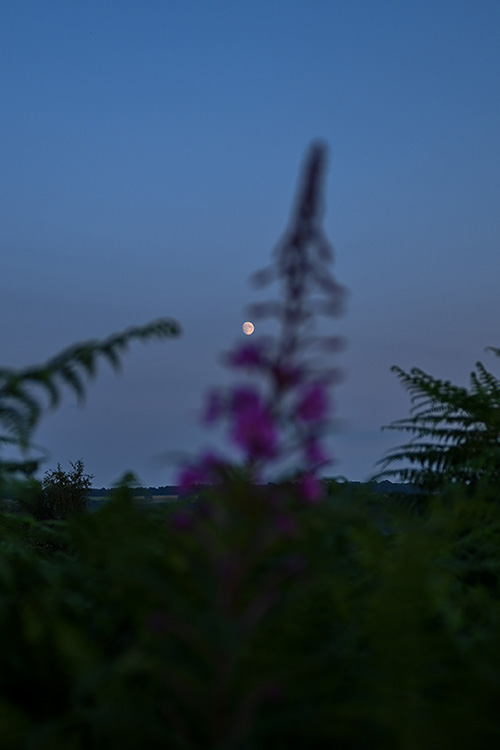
x=280, y=417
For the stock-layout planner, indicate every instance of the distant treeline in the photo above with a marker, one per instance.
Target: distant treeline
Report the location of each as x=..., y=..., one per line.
x=166, y=490
x=384, y=487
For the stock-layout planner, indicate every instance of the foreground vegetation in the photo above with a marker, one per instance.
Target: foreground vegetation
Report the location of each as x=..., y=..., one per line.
x=266, y=608
x=243, y=620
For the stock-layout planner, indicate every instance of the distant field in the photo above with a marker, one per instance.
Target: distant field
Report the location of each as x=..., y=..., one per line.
x=150, y=499
x=96, y=500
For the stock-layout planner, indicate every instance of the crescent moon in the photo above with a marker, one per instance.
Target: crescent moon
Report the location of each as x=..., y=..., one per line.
x=248, y=328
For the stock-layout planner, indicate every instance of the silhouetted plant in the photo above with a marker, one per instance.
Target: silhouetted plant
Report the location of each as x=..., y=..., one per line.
x=60, y=493
x=21, y=391
x=280, y=418
x=456, y=431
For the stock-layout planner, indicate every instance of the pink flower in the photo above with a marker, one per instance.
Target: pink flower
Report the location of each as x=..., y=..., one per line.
x=245, y=399
x=203, y=472
x=313, y=405
x=255, y=432
x=248, y=355
x=314, y=452
x=253, y=427
x=311, y=488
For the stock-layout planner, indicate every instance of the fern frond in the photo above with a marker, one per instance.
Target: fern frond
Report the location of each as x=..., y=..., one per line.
x=22, y=391
x=456, y=431
x=486, y=381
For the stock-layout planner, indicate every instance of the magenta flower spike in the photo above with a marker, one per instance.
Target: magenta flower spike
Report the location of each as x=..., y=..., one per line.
x=249, y=356
x=282, y=419
x=204, y=471
x=311, y=488
x=253, y=427
x=314, y=452
x=313, y=405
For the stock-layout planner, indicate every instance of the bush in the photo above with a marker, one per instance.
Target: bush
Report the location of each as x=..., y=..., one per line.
x=58, y=495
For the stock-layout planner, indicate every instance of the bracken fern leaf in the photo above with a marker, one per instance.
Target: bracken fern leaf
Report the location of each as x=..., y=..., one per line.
x=22, y=391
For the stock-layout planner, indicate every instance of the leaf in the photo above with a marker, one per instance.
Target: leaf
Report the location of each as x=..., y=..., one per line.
x=21, y=391
x=462, y=427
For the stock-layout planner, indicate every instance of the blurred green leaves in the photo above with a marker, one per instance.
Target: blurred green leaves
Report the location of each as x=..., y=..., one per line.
x=456, y=431
x=215, y=623
x=24, y=393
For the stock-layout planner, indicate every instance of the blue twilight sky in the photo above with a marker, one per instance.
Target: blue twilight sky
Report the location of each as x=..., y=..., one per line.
x=149, y=158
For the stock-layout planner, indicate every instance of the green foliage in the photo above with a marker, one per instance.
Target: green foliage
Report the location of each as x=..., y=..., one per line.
x=456, y=431
x=248, y=620
x=58, y=495
x=22, y=391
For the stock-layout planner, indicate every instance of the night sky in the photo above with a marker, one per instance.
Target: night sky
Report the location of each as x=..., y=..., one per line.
x=149, y=159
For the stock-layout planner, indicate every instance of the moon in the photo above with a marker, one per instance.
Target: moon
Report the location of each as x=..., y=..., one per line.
x=248, y=328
